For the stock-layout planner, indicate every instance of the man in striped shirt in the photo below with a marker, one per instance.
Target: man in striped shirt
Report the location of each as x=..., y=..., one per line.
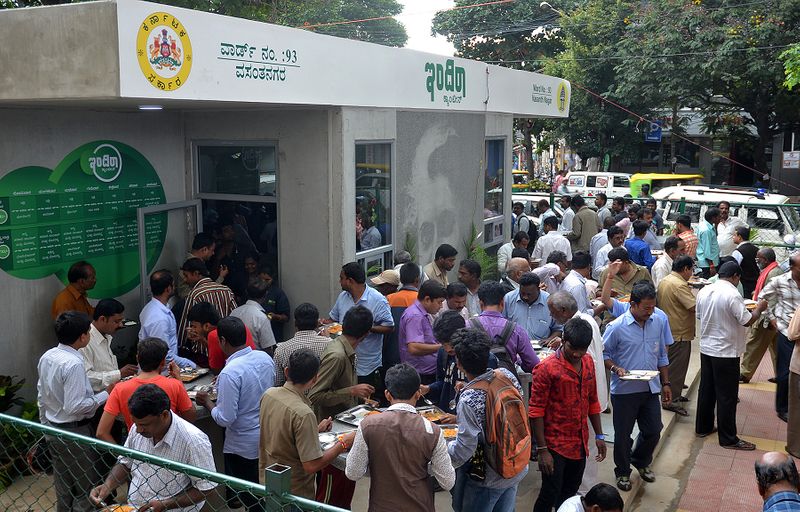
x=203, y=290
x=306, y=320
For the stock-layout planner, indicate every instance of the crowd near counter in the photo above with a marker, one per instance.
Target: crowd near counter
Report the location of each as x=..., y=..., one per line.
x=427, y=385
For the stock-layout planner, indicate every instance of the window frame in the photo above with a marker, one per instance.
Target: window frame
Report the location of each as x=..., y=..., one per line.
x=364, y=257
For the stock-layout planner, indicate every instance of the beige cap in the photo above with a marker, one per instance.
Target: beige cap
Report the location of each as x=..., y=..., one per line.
x=387, y=277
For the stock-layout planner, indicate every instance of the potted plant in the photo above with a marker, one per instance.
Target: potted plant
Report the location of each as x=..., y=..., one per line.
x=14, y=440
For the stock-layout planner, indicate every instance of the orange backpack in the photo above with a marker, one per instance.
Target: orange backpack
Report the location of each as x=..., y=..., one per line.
x=507, y=434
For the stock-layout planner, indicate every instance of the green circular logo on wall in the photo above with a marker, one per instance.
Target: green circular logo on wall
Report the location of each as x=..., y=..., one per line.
x=3, y=216
x=5, y=252
x=104, y=162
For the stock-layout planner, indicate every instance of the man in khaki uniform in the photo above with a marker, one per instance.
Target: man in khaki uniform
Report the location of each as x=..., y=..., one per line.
x=337, y=390
x=289, y=428
x=676, y=299
x=585, y=225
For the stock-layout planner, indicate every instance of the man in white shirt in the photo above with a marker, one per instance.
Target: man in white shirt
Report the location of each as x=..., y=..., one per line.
x=411, y=441
x=723, y=318
x=516, y=267
x=575, y=281
x=552, y=273
x=552, y=240
x=543, y=207
x=98, y=359
x=157, y=431
x=603, y=211
x=615, y=237
x=520, y=240
x=725, y=229
x=569, y=214
x=673, y=247
x=601, y=238
x=254, y=317
x=67, y=402
x=600, y=498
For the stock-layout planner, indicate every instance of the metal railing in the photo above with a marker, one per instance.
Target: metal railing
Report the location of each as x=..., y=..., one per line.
x=28, y=482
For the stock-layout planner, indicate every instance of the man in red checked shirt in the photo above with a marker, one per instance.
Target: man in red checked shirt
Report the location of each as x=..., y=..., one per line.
x=563, y=395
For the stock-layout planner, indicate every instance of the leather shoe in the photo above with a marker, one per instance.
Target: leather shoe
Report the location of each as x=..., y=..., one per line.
x=784, y=416
x=743, y=379
x=772, y=380
x=741, y=444
x=713, y=430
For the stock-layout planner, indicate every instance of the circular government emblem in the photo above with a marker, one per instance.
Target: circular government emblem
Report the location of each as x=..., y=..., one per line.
x=562, y=97
x=164, y=51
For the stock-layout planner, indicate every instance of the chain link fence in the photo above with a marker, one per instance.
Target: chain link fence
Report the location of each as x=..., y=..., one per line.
x=771, y=225
x=34, y=479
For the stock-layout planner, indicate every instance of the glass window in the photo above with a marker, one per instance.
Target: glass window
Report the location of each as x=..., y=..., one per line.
x=243, y=170
x=591, y=181
x=495, y=162
x=622, y=181
x=373, y=196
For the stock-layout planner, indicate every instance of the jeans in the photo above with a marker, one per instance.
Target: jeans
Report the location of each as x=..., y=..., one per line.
x=644, y=409
x=468, y=496
x=785, y=348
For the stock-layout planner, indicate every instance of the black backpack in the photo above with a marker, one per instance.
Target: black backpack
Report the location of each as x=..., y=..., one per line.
x=500, y=344
x=533, y=231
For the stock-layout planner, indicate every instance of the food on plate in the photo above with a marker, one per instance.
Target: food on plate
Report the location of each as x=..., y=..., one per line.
x=433, y=415
x=120, y=508
x=372, y=413
x=449, y=432
x=335, y=329
x=624, y=298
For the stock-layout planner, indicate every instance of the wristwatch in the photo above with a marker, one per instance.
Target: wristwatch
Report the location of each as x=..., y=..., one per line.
x=600, y=437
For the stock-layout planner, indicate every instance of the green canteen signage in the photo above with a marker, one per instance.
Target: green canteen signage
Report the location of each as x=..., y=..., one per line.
x=83, y=209
x=448, y=79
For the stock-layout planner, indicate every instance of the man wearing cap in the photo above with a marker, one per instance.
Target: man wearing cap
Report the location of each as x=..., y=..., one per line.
x=386, y=282
x=723, y=318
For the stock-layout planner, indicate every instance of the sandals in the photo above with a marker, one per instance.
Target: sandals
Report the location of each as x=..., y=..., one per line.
x=624, y=483
x=713, y=431
x=677, y=409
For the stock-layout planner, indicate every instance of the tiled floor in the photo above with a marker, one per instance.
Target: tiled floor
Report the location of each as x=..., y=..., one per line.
x=722, y=479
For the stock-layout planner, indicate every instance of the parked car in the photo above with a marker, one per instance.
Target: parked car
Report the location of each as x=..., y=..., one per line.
x=770, y=216
x=529, y=202
x=588, y=184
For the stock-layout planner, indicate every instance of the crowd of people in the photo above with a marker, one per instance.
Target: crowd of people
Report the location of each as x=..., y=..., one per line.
x=600, y=290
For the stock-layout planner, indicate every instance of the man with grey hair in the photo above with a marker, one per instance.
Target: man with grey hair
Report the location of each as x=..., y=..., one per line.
x=778, y=482
x=401, y=258
x=563, y=306
x=516, y=267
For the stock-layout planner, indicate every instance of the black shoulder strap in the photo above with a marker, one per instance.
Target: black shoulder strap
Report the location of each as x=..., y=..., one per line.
x=507, y=330
x=476, y=323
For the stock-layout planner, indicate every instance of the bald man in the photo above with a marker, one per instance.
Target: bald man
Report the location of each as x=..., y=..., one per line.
x=516, y=267
x=778, y=482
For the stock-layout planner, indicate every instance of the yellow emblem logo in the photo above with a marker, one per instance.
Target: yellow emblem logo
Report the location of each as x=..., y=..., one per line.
x=562, y=97
x=164, y=51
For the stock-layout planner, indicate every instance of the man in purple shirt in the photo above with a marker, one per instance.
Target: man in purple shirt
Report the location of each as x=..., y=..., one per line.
x=518, y=345
x=417, y=345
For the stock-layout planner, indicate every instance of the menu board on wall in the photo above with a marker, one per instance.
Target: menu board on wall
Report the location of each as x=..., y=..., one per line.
x=84, y=209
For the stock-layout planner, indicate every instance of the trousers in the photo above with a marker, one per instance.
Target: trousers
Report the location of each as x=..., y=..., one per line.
x=75, y=471
x=627, y=410
x=759, y=339
x=719, y=388
x=561, y=485
x=246, y=469
x=785, y=348
x=679, y=354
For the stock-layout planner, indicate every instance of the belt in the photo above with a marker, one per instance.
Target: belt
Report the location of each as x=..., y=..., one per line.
x=72, y=424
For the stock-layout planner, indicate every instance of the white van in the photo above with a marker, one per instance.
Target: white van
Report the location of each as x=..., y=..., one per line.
x=588, y=184
x=769, y=216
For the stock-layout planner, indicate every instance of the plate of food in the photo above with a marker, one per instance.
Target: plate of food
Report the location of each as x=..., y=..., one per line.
x=750, y=304
x=646, y=375
x=432, y=413
x=211, y=390
x=623, y=298
x=536, y=344
x=355, y=415
x=545, y=353
x=698, y=281
x=656, y=252
x=449, y=432
x=119, y=508
x=189, y=374
x=329, y=439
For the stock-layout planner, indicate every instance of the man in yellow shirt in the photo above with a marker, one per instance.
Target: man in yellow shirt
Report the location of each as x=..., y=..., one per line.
x=82, y=278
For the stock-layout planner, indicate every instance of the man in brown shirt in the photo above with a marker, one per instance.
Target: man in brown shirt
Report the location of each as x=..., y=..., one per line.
x=82, y=278
x=585, y=225
x=443, y=262
x=409, y=441
x=337, y=390
x=622, y=282
x=289, y=428
x=676, y=299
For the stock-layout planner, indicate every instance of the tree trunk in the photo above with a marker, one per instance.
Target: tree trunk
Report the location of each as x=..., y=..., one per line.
x=765, y=135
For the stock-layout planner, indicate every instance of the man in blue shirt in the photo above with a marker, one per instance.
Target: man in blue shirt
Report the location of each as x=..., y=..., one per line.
x=156, y=319
x=355, y=291
x=778, y=482
x=637, y=248
x=527, y=306
x=707, y=244
x=637, y=340
x=246, y=376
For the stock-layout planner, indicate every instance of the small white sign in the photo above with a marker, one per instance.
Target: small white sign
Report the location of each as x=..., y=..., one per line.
x=791, y=159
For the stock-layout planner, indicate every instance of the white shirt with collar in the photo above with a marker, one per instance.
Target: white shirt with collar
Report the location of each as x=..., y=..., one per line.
x=252, y=314
x=575, y=285
x=64, y=392
x=597, y=242
x=722, y=315
x=552, y=241
x=183, y=443
x=661, y=269
x=725, y=235
x=99, y=361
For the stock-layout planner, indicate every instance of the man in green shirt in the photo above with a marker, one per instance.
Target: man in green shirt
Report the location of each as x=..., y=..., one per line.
x=337, y=389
